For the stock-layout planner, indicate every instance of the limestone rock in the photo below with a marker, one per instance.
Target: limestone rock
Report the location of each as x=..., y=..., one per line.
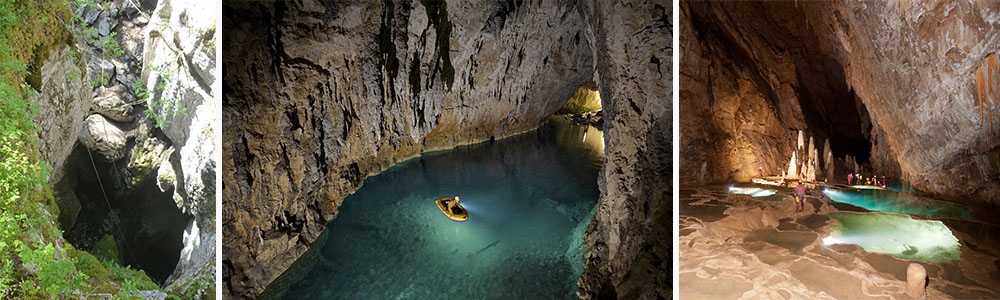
x=103, y=137
x=62, y=105
x=627, y=254
x=828, y=161
x=916, y=280
x=152, y=295
x=178, y=54
x=113, y=107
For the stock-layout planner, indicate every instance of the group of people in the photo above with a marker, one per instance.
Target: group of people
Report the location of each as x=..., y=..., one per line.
x=857, y=178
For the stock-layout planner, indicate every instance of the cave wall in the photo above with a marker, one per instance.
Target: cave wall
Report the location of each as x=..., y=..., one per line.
x=628, y=252
x=750, y=73
x=318, y=96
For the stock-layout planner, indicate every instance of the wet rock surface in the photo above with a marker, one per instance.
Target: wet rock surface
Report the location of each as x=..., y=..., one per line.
x=892, y=85
x=758, y=247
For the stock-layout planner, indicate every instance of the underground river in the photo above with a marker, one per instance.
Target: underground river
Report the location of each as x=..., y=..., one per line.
x=529, y=198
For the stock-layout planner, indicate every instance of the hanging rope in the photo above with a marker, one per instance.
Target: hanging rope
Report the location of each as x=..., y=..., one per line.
x=117, y=225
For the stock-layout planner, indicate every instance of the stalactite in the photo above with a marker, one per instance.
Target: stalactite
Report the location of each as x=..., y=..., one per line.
x=984, y=89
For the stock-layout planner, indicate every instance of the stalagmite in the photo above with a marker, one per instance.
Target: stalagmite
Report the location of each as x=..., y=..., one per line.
x=802, y=141
x=828, y=160
x=916, y=280
x=793, y=169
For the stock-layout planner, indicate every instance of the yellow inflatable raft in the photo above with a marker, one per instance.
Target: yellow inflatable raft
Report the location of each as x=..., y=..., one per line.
x=458, y=213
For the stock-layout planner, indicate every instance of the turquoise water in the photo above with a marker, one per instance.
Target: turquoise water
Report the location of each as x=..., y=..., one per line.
x=895, y=234
x=892, y=201
x=529, y=198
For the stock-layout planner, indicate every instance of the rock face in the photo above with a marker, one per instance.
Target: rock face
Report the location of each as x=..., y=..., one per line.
x=179, y=55
x=628, y=254
x=62, y=105
x=890, y=84
x=318, y=96
x=916, y=280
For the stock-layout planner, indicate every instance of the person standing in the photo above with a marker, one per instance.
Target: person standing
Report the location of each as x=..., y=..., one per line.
x=849, y=177
x=760, y=171
x=800, y=197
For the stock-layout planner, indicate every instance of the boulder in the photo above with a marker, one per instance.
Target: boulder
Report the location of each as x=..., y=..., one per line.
x=113, y=107
x=104, y=137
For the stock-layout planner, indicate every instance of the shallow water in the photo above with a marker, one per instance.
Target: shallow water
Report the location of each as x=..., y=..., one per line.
x=891, y=201
x=895, y=234
x=529, y=199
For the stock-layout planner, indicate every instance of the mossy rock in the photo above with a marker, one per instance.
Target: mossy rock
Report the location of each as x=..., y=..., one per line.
x=38, y=32
x=107, y=277
x=106, y=249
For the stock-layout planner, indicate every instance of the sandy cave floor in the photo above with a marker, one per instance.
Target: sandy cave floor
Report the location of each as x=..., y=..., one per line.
x=738, y=246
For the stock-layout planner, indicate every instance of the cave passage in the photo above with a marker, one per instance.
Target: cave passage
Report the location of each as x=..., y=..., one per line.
x=830, y=108
x=529, y=198
x=151, y=226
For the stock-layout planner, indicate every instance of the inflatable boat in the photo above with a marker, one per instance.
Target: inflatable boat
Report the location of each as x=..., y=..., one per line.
x=457, y=213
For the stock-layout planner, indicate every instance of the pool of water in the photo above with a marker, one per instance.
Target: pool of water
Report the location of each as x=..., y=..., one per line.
x=895, y=234
x=529, y=198
x=892, y=201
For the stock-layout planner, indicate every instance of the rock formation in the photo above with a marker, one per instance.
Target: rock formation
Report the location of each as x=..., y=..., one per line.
x=319, y=96
x=892, y=84
x=181, y=42
x=628, y=256
x=828, y=161
x=916, y=280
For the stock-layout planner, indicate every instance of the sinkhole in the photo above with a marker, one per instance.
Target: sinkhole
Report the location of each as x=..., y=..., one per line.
x=529, y=199
x=119, y=216
x=896, y=234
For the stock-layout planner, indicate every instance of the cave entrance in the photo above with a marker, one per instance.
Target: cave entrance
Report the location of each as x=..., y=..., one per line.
x=143, y=221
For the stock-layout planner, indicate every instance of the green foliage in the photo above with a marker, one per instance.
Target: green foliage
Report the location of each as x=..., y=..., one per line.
x=106, y=249
x=57, y=278
x=202, y=284
x=160, y=109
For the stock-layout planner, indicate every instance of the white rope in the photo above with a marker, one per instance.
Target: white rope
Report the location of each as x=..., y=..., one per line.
x=101, y=184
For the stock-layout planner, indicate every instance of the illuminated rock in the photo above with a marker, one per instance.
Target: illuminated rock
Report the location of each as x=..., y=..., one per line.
x=916, y=280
